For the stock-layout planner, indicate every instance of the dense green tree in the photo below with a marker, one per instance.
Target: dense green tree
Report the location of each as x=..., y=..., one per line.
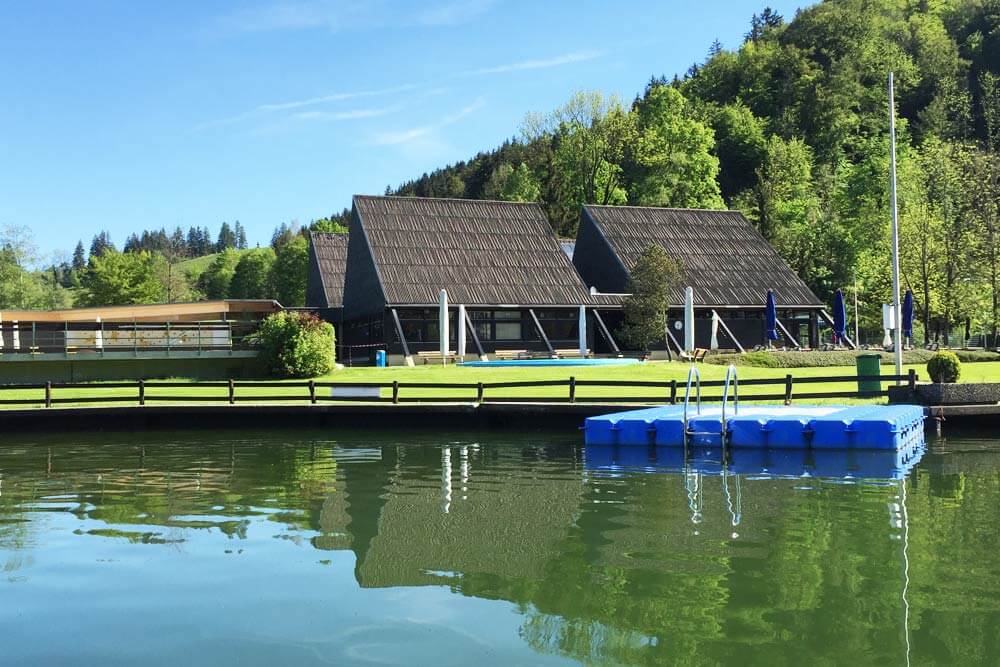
x=215, y=281
x=252, y=277
x=653, y=278
x=672, y=152
x=290, y=271
x=118, y=278
x=521, y=185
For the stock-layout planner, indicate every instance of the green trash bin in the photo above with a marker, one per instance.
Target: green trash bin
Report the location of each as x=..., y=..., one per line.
x=868, y=366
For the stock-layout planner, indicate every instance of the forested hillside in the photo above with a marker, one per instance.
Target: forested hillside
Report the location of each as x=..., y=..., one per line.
x=791, y=127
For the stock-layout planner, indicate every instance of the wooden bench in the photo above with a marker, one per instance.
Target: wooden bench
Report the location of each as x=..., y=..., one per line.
x=433, y=357
x=698, y=355
x=571, y=352
x=508, y=355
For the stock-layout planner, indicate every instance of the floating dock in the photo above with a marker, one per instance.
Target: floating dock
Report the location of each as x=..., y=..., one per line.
x=886, y=427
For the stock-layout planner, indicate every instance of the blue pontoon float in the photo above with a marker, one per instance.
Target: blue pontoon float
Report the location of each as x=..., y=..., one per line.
x=886, y=427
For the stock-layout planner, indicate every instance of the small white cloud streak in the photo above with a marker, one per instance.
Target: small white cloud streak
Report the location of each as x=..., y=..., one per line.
x=408, y=136
x=342, y=115
x=265, y=109
x=546, y=63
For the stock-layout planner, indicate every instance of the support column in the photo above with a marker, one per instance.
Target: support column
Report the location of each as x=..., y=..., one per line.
x=541, y=331
x=407, y=357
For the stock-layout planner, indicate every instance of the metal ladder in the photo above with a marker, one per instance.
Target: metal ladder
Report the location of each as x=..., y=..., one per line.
x=731, y=381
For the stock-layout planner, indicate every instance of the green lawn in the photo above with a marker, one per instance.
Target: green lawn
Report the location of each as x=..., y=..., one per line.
x=652, y=371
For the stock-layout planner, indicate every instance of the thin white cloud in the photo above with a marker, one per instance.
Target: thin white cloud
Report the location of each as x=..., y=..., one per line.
x=545, y=63
x=353, y=114
x=263, y=110
x=334, y=97
x=340, y=15
x=423, y=131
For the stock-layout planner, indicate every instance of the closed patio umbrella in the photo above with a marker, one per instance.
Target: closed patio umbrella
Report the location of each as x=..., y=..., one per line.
x=839, y=317
x=771, y=315
x=908, y=316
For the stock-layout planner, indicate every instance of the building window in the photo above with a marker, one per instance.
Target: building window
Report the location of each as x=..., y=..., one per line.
x=508, y=331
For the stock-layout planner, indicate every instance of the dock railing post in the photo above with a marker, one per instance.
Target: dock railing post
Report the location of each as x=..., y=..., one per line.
x=479, y=392
x=572, y=389
x=312, y=392
x=142, y=392
x=232, y=392
x=912, y=382
x=395, y=391
x=48, y=394
x=788, y=389
x=673, y=392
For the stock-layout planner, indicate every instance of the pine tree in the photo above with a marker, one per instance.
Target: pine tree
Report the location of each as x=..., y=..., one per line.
x=241, y=236
x=79, y=260
x=227, y=238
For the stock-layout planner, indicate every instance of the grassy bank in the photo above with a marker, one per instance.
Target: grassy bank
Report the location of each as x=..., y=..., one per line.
x=652, y=371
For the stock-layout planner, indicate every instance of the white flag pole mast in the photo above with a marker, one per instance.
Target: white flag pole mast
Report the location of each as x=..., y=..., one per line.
x=898, y=343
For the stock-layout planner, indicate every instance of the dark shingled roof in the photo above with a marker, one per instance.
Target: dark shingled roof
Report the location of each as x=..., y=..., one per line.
x=330, y=255
x=482, y=252
x=725, y=258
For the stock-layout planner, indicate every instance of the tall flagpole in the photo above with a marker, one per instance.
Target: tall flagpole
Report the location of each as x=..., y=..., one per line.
x=896, y=309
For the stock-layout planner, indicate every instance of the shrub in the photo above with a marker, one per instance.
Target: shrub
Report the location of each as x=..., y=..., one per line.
x=944, y=367
x=295, y=345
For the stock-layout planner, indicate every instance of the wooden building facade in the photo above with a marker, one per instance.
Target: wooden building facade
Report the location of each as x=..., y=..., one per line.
x=500, y=260
x=726, y=261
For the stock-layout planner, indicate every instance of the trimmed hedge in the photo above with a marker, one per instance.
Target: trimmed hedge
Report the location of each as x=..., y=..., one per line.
x=817, y=359
x=944, y=367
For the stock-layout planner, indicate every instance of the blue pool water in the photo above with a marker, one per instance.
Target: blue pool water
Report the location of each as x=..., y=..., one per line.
x=553, y=362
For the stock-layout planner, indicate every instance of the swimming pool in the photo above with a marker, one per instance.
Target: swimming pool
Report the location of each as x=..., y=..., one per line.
x=552, y=362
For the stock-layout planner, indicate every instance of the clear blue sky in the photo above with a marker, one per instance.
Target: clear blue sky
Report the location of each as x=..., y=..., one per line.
x=123, y=115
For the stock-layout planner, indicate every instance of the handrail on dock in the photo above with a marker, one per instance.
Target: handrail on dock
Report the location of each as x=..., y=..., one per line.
x=694, y=374
x=730, y=374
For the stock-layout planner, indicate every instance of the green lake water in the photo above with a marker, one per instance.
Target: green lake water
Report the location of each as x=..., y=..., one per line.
x=382, y=548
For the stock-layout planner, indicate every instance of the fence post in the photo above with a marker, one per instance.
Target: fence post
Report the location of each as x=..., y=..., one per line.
x=232, y=392
x=913, y=382
x=673, y=392
x=788, y=389
x=48, y=394
x=395, y=391
x=312, y=392
x=142, y=392
x=479, y=393
x=572, y=389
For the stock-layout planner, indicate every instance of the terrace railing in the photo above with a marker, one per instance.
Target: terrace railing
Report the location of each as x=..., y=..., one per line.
x=142, y=392
x=100, y=338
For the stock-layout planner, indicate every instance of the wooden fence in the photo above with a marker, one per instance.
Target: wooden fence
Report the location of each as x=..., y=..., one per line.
x=141, y=392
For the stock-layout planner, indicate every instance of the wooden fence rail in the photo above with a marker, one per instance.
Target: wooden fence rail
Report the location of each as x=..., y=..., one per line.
x=144, y=391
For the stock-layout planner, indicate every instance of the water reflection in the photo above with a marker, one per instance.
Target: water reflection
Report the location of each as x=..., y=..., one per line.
x=504, y=551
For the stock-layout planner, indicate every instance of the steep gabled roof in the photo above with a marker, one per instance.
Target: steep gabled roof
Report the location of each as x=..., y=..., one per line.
x=329, y=264
x=725, y=259
x=482, y=252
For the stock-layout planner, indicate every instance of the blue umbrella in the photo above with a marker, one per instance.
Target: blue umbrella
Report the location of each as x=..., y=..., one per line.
x=908, y=314
x=839, y=317
x=771, y=314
